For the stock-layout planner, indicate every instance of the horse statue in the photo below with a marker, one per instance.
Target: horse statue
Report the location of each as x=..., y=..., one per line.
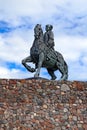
x=42, y=56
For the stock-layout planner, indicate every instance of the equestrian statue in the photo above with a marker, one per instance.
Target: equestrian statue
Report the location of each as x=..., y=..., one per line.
x=42, y=54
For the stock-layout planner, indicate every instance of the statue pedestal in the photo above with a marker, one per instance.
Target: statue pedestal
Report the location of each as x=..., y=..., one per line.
x=43, y=104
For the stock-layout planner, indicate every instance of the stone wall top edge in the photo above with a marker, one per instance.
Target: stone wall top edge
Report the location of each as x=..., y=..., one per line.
x=42, y=79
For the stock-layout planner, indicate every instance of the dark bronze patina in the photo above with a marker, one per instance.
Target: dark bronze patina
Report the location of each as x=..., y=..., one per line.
x=42, y=54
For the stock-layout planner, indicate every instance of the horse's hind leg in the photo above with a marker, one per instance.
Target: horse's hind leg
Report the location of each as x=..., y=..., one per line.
x=51, y=73
x=25, y=61
x=63, y=69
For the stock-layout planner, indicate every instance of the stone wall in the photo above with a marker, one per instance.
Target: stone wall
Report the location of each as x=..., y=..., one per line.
x=40, y=104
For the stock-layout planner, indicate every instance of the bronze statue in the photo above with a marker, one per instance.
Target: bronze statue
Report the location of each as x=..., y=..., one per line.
x=44, y=55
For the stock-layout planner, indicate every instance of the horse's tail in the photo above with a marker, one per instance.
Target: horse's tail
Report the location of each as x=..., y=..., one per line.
x=66, y=69
x=62, y=65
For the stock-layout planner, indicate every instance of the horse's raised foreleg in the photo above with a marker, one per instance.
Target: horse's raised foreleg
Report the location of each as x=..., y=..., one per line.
x=40, y=61
x=25, y=61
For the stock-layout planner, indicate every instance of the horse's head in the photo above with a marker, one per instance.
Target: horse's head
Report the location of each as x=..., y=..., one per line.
x=38, y=31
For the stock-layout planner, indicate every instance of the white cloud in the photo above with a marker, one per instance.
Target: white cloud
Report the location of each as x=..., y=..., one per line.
x=77, y=72
x=14, y=73
x=35, y=9
x=39, y=10
x=11, y=48
x=71, y=47
x=14, y=47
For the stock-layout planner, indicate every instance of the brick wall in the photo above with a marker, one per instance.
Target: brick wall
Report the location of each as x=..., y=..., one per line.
x=40, y=104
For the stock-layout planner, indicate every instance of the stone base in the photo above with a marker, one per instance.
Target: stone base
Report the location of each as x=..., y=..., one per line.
x=41, y=104
x=36, y=78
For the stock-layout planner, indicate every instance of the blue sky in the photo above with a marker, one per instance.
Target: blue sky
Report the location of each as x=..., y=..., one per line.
x=17, y=20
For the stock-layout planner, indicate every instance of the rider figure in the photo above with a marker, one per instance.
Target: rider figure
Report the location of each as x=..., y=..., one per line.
x=49, y=36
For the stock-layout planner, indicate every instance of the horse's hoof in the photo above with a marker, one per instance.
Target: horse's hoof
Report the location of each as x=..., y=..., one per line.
x=36, y=75
x=32, y=70
x=63, y=78
x=53, y=78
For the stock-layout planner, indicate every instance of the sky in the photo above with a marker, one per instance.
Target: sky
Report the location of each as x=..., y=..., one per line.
x=17, y=21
